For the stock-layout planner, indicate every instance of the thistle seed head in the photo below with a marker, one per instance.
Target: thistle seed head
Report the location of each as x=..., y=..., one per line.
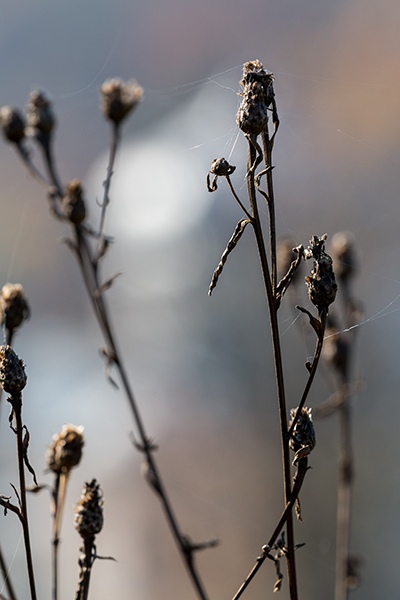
x=14, y=307
x=12, y=124
x=89, y=512
x=321, y=283
x=73, y=204
x=342, y=249
x=118, y=99
x=12, y=371
x=258, y=94
x=65, y=450
x=303, y=435
x=39, y=114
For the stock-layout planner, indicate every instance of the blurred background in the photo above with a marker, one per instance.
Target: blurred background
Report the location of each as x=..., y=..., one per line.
x=202, y=367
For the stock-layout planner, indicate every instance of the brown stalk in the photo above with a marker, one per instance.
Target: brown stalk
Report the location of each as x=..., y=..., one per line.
x=298, y=482
x=88, y=263
x=291, y=566
x=16, y=402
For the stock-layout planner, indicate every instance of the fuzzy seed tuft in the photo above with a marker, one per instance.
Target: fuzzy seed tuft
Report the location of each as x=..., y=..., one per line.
x=118, y=99
x=65, y=450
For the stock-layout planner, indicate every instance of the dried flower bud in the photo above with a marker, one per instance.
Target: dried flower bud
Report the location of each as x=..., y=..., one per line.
x=12, y=371
x=221, y=167
x=89, y=512
x=303, y=435
x=258, y=94
x=118, y=99
x=65, y=450
x=39, y=114
x=321, y=284
x=14, y=307
x=73, y=205
x=342, y=249
x=12, y=123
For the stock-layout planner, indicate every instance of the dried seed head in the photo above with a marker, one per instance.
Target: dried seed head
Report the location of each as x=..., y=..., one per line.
x=12, y=371
x=342, y=249
x=118, y=99
x=258, y=94
x=12, y=124
x=14, y=307
x=73, y=204
x=39, y=114
x=221, y=167
x=303, y=435
x=65, y=450
x=89, y=512
x=322, y=286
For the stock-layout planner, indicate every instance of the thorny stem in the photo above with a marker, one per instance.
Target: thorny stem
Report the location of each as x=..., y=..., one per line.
x=291, y=566
x=89, y=269
x=298, y=482
x=16, y=402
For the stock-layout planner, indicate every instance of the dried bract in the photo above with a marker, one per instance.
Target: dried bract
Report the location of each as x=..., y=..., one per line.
x=258, y=95
x=89, y=512
x=322, y=286
x=342, y=249
x=73, y=205
x=118, y=99
x=12, y=371
x=65, y=450
x=12, y=124
x=39, y=114
x=14, y=307
x=303, y=435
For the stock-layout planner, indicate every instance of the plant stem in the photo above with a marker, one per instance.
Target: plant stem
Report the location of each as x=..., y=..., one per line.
x=6, y=576
x=85, y=563
x=17, y=408
x=278, y=368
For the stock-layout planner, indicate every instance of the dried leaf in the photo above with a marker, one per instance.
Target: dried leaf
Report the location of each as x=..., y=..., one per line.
x=26, y=459
x=237, y=234
x=109, y=357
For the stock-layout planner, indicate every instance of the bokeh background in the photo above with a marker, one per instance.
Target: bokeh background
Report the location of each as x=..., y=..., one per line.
x=202, y=368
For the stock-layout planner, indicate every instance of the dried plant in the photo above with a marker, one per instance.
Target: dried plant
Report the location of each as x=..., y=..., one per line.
x=257, y=105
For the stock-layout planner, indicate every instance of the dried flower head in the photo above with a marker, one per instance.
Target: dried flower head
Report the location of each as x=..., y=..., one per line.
x=258, y=94
x=322, y=286
x=14, y=307
x=221, y=167
x=342, y=249
x=118, y=99
x=89, y=512
x=12, y=124
x=12, y=371
x=73, y=205
x=39, y=114
x=65, y=450
x=302, y=440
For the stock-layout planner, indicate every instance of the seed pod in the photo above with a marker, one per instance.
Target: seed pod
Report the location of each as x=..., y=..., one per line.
x=258, y=94
x=12, y=123
x=322, y=286
x=303, y=435
x=73, y=204
x=118, y=99
x=342, y=249
x=14, y=307
x=65, y=450
x=39, y=114
x=12, y=371
x=89, y=512
x=221, y=167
